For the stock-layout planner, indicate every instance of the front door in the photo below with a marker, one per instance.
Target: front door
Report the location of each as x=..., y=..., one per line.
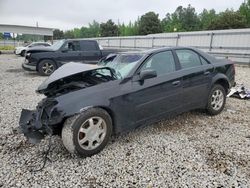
x=157, y=96
x=70, y=52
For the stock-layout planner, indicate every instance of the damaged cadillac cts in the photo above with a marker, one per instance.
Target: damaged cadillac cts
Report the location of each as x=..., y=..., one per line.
x=86, y=104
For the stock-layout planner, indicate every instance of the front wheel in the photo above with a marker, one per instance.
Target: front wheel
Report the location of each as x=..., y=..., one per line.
x=88, y=133
x=46, y=67
x=216, y=100
x=22, y=53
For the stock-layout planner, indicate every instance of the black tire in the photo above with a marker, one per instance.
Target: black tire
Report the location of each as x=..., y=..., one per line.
x=215, y=107
x=22, y=53
x=51, y=67
x=71, y=132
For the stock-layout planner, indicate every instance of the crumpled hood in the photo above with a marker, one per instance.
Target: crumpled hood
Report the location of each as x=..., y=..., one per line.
x=66, y=70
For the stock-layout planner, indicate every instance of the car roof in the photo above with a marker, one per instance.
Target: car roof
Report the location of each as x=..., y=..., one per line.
x=155, y=50
x=207, y=56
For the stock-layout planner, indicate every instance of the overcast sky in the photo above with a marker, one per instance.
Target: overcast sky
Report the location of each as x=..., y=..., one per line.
x=67, y=14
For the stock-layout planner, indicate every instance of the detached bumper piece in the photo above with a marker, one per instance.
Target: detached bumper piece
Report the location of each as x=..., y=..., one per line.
x=30, y=125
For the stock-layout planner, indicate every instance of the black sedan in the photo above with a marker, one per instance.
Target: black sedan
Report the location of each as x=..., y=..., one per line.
x=86, y=104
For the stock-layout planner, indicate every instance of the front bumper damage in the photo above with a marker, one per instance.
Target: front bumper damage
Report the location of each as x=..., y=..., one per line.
x=35, y=124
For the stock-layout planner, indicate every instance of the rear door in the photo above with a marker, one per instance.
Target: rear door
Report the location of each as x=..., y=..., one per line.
x=91, y=53
x=194, y=78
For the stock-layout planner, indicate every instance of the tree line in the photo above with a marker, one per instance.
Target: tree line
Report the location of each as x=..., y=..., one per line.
x=182, y=19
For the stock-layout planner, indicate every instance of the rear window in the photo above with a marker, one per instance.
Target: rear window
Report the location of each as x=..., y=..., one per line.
x=89, y=46
x=188, y=58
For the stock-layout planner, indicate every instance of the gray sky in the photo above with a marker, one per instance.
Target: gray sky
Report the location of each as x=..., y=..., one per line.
x=67, y=14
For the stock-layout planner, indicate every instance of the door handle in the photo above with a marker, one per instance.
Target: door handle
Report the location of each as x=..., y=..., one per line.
x=176, y=83
x=206, y=73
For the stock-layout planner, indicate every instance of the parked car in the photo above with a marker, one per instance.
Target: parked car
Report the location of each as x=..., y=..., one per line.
x=86, y=104
x=47, y=60
x=22, y=49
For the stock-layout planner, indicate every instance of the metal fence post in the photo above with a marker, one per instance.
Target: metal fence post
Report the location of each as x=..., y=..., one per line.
x=177, y=39
x=108, y=43
x=153, y=42
x=120, y=42
x=211, y=42
x=135, y=43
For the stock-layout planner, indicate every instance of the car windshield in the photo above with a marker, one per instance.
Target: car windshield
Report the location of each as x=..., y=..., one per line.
x=57, y=45
x=122, y=64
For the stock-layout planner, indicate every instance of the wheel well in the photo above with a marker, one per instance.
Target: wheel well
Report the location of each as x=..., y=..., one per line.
x=23, y=51
x=111, y=114
x=223, y=83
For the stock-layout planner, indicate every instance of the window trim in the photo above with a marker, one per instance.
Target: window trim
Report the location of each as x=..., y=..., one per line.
x=201, y=57
x=198, y=54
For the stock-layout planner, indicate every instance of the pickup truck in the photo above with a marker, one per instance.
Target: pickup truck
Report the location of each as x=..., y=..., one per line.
x=46, y=60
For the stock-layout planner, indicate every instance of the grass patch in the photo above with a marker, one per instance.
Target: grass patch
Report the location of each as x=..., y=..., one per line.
x=7, y=48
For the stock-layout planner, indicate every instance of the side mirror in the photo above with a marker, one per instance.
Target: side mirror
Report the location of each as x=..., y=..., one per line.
x=146, y=74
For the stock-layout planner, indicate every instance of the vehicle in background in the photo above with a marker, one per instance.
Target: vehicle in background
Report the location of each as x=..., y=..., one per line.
x=22, y=49
x=47, y=60
x=86, y=104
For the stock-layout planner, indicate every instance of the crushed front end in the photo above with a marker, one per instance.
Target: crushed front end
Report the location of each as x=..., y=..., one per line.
x=35, y=124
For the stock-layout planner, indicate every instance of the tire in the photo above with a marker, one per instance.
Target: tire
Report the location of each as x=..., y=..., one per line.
x=216, y=100
x=22, y=53
x=81, y=137
x=46, y=67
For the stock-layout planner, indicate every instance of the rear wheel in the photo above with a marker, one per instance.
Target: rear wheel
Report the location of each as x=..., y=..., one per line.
x=88, y=133
x=46, y=67
x=216, y=100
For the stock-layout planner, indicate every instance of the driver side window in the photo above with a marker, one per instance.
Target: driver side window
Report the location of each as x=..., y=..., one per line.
x=162, y=63
x=72, y=46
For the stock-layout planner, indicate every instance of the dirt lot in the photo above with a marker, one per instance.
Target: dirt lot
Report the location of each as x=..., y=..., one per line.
x=190, y=150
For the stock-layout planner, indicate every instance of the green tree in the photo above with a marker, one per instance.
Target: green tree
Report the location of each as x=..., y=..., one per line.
x=109, y=29
x=128, y=30
x=172, y=23
x=1, y=35
x=206, y=18
x=149, y=24
x=69, y=34
x=245, y=11
x=58, y=34
x=77, y=33
x=228, y=20
x=183, y=19
x=94, y=29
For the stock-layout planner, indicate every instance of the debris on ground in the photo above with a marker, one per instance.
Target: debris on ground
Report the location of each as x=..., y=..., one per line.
x=239, y=91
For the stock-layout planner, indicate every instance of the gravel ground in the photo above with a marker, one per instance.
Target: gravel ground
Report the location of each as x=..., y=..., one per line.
x=190, y=150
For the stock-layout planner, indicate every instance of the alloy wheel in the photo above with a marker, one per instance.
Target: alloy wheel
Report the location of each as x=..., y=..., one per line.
x=48, y=68
x=217, y=99
x=92, y=133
